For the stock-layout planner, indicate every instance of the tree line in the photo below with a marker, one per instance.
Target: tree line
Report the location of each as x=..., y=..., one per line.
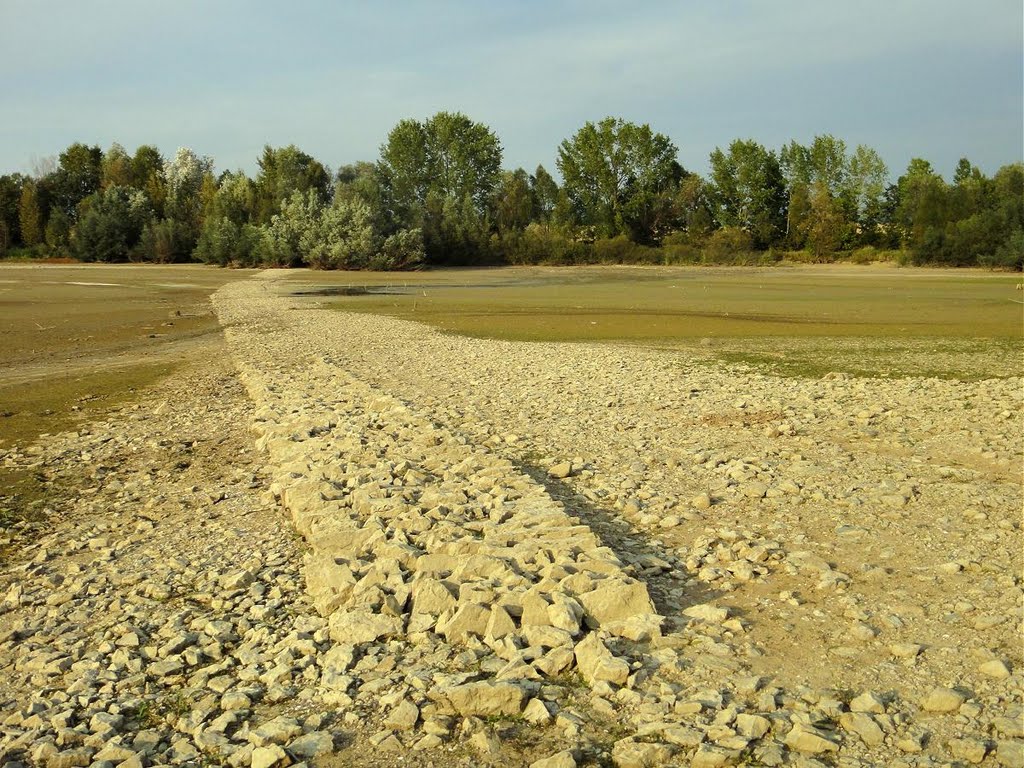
x=438, y=195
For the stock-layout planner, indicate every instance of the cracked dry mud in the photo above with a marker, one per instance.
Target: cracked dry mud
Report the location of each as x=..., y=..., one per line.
x=350, y=540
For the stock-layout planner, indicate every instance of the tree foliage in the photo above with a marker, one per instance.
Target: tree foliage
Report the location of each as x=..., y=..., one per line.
x=615, y=175
x=112, y=225
x=748, y=191
x=438, y=195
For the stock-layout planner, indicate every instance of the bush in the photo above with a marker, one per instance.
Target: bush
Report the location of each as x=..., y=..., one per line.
x=163, y=242
x=622, y=250
x=402, y=250
x=541, y=244
x=1009, y=255
x=728, y=245
x=113, y=224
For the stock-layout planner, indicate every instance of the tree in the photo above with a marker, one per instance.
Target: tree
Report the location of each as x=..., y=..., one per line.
x=824, y=167
x=30, y=218
x=463, y=158
x=826, y=223
x=58, y=230
x=342, y=237
x=10, y=202
x=693, y=207
x=747, y=191
x=513, y=201
x=148, y=175
x=77, y=177
x=613, y=174
x=867, y=179
x=185, y=176
x=360, y=182
x=921, y=212
x=112, y=224
x=116, y=168
x=284, y=171
x=544, y=191
x=449, y=156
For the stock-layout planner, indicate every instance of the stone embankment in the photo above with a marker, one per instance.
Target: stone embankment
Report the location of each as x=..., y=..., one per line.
x=520, y=554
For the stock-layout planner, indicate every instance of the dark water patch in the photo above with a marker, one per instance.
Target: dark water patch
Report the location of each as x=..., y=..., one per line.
x=352, y=290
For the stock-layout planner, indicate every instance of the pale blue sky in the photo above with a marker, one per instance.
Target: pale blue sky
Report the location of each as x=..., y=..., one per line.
x=939, y=79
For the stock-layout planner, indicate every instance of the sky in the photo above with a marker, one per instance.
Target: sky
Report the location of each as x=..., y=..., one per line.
x=938, y=79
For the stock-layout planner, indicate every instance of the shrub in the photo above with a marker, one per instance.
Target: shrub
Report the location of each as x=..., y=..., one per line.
x=402, y=250
x=1009, y=255
x=728, y=245
x=622, y=250
x=112, y=225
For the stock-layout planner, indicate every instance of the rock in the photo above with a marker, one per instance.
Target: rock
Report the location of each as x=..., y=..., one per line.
x=499, y=624
x=486, y=699
x=614, y=600
x=913, y=741
x=863, y=725
x=561, y=470
x=70, y=758
x=943, y=700
x=1010, y=753
x=237, y=580
x=430, y=596
x=905, y=650
x=403, y=717
x=708, y=613
x=995, y=669
x=563, y=759
x=312, y=744
x=867, y=702
x=269, y=757
x=752, y=726
x=971, y=750
x=596, y=662
x=806, y=738
x=486, y=742
x=628, y=753
x=355, y=627
x=536, y=712
x=280, y=730
x=701, y=501
x=709, y=756
x=469, y=620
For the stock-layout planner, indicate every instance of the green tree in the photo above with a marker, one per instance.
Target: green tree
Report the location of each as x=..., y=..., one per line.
x=921, y=212
x=866, y=184
x=826, y=222
x=513, y=201
x=77, y=177
x=545, y=192
x=112, y=224
x=30, y=217
x=823, y=166
x=284, y=171
x=440, y=176
x=10, y=201
x=615, y=174
x=360, y=182
x=448, y=156
x=116, y=168
x=693, y=208
x=748, y=191
x=58, y=230
x=404, y=172
x=147, y=169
